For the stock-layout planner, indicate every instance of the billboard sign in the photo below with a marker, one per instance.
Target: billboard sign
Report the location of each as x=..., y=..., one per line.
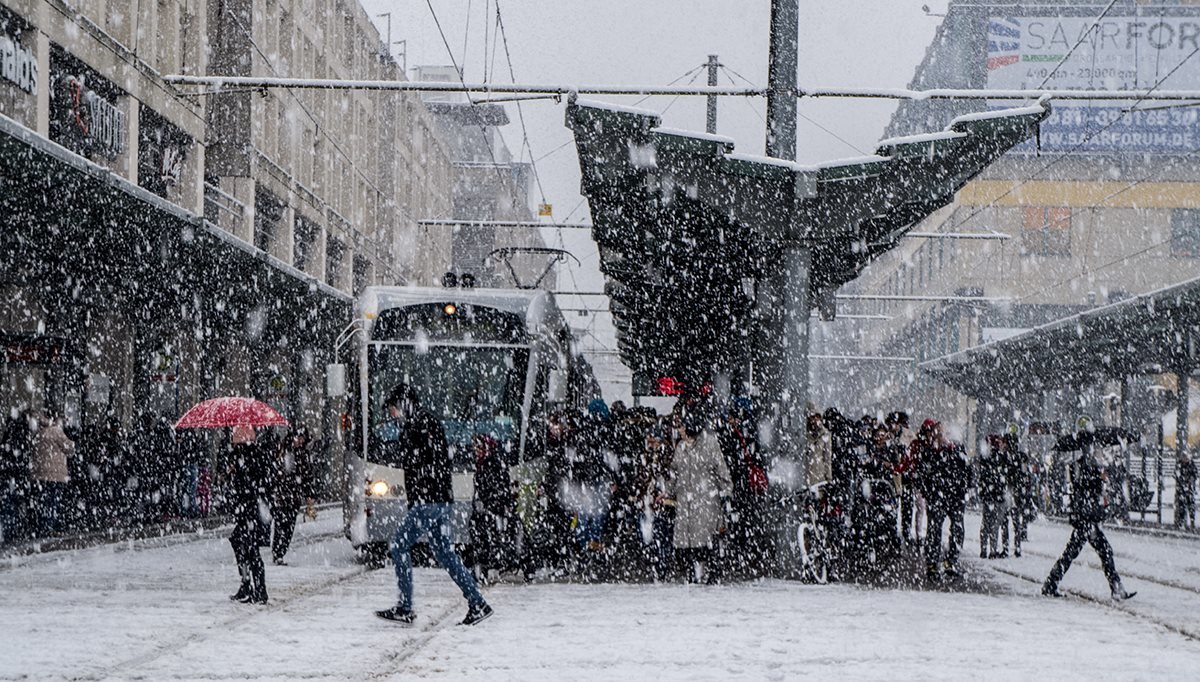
x=1136, y=52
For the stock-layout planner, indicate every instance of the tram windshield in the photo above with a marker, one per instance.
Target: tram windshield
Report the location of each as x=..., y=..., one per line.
x=473, y=390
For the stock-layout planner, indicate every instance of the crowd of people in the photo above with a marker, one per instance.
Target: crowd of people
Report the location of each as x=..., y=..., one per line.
x=57, y=480
x=631, y=494
x=627, y=493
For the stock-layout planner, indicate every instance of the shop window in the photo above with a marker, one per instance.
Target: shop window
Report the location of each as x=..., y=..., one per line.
x=362, y=274
x=304, y=243
x=162, y=150
x=1046, y=231
x=268, y=213
x=334, y=254
x=1185, y=232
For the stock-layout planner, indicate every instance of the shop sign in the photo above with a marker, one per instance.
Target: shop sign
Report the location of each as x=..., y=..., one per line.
x=18, y=64
x=95, y=119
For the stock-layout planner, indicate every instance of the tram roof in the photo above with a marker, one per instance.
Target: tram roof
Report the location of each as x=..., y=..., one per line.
x=537, y=306
x=1151, y=333
x=684, y=224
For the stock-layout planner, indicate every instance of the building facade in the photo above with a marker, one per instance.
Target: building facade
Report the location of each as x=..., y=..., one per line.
x=165, y=245
x=1103, y=206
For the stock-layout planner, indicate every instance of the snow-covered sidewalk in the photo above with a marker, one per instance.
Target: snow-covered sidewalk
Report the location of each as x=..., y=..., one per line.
x=159, y=610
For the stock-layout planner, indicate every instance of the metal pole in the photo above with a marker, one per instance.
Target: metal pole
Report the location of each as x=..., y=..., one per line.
x=797, y=263
x=1181, y=424
x=784, y=64
x=711, y=123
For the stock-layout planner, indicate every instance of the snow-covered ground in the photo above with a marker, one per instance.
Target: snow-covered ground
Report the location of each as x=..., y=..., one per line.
x=158, y=610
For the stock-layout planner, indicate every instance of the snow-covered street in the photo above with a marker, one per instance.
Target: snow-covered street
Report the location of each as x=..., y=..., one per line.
x=158, y=609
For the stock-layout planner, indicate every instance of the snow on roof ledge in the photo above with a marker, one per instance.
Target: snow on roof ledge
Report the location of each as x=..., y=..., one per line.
x=769, y=161
x=708, y=137
x=1039, y=108
x=924, y=137
x=853, y=161
x=619, y=108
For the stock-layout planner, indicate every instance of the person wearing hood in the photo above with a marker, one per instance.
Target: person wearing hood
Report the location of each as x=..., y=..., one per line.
x=249, y=477
x=1087, y=513
x=414, y=440
x=944, y=475
x=51, y=471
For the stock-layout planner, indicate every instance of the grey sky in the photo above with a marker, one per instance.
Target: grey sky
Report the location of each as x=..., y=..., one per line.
x=842, y=43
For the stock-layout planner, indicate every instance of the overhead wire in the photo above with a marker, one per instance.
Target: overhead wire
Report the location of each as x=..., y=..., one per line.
x=537, y=178
x=320, y=127
x=1062, y=156
x=1082, y=37
x=729, y=73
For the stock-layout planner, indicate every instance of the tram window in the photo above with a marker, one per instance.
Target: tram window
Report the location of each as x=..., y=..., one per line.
x=471, y=390
x=478, y=323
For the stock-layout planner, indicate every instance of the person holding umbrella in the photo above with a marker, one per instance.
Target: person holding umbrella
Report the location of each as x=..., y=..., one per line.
x=1087, y=512
x=249, y=477
x=414, y=440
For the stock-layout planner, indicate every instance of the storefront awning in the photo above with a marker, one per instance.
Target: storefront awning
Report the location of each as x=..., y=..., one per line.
x=72, y=223
x=1154, y=332
x=687, y=228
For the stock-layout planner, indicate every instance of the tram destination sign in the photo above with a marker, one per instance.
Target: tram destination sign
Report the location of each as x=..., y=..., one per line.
x=1137, y=52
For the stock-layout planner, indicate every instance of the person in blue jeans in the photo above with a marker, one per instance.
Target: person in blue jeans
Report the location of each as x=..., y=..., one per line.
x=413, y=439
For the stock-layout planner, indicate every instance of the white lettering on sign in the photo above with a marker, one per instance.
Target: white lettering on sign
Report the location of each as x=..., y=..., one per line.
x=1136, y=52
x=103, y=122
x=18, y=64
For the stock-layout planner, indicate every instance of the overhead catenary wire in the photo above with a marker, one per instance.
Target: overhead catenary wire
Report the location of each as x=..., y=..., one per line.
x=1082, y=37
x=568, y=90
x=525, y=144
x=729, y=73
x=1067, y=154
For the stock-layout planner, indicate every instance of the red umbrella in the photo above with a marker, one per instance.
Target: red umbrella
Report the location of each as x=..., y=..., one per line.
x=222, y=412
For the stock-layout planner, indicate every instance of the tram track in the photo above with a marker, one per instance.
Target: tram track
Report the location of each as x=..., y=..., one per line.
x=127, y=668
x=1108, y=604
x=1126, y=572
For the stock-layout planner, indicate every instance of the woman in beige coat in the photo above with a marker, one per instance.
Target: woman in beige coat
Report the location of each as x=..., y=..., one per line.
x=699, y=483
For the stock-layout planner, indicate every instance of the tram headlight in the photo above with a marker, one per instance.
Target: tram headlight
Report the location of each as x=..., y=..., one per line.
x=450, y=309
x=378, y=489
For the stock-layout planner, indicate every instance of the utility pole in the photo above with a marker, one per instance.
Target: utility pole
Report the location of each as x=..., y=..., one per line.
x=784, y=63
x=713, y=64
x=780, y=352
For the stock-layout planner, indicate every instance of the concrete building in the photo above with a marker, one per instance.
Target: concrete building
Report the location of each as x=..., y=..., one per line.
x=1105, y=205
x=162, y=246
x=490, y=185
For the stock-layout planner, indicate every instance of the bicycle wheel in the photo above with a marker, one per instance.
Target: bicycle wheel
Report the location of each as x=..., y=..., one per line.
x=814, y=554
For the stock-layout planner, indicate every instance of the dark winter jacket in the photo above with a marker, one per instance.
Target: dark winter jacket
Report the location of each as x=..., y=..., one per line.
x=945, y=476
x=293, y=476
x=421, y=451
x=993, y=479
x=1087, y=488
x=493, y=484
x=1185, y=479
x=249, y=482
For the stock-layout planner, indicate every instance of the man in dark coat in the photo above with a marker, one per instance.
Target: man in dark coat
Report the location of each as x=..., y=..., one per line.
x=249, y=479
x=414, y=440
x=16, y=453
x=1020, y=482
x=993, y=480
x=293, y=483
x=945, y=476
x=493, y=507
x=1185, y=491
x=1087, y=512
